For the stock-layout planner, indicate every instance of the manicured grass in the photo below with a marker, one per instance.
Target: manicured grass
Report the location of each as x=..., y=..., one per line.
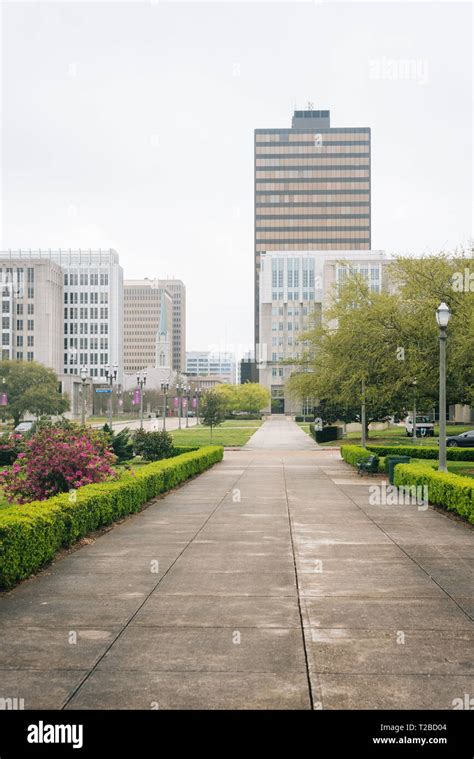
x=236, y=423
x=226, y=436
x=305, y=427
x=397, y=436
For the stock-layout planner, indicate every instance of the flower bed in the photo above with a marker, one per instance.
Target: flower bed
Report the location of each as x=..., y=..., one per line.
x=30, y=534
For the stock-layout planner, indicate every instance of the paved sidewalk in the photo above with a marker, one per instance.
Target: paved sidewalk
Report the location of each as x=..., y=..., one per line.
x=278, y=586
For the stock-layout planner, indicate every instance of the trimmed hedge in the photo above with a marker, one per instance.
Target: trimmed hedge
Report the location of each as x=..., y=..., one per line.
x=451, y=491
x=422, y=452
x=355, y=454
x=31, y=534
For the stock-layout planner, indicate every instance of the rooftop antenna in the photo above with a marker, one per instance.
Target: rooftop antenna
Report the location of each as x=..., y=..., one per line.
x=309, y=105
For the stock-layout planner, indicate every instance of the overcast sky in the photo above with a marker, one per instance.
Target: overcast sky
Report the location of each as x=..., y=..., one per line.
x=130, y=125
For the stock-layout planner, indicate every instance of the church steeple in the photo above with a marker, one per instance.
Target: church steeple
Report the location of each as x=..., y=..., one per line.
x=163, y=344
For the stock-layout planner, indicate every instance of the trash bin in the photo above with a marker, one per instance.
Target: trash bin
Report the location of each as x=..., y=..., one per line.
x=392, y=461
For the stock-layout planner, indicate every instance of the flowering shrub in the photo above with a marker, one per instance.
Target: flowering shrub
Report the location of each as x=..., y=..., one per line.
x=57, y=459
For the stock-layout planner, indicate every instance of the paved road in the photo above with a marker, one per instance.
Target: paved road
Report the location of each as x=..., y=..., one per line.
x=267, y=582
x=172, y=423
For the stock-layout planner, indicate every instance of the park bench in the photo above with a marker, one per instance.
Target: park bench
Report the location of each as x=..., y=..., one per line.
x=370, y=465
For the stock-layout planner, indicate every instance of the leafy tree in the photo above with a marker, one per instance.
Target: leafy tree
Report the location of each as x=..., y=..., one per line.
x=252, y=397
x=384, y=341
x=30, y=387
x=212, y=410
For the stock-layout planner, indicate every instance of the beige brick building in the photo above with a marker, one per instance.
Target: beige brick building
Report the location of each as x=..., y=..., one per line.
x=143, y=300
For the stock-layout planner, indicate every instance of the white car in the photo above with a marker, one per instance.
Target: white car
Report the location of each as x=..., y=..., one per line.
x=424, y=426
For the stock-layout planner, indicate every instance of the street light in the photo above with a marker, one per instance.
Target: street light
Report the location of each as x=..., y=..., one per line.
x=197, y=393
x=363, y=434
x=111, y=376
x=164, y=389
x=141, y=382
x=179, y=390
x=413, y=433
x=443, y=315
x=84, y=378
x=187, y=390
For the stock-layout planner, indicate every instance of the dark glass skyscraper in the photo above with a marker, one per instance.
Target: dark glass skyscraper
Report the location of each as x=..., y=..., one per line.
x=312, y=188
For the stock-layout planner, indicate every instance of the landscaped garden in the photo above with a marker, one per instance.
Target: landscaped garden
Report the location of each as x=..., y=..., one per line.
x=63, y=481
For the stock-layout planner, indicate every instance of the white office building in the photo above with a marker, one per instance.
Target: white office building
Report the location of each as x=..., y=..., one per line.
x=294, y=288
x=92, y=318
x=210, y=364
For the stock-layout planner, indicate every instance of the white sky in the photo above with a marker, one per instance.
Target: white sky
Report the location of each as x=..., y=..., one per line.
x=130, y=125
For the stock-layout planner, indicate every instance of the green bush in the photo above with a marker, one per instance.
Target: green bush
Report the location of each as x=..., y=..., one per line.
x=31, y=534
x=153, y=446
x=451, y=491
x=355, y=454
x=422, y=452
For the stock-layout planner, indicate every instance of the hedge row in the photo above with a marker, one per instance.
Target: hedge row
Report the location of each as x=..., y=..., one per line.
x=422, y=452
x=31, y=534
x=355, y=454
x=451, y=491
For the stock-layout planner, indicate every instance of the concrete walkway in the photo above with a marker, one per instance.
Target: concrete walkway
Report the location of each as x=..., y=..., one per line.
x=267, y=582
x=280, y=433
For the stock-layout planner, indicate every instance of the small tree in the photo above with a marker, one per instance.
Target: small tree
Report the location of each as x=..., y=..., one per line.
x=212, y=410
x=29, y=386
x=120, y=443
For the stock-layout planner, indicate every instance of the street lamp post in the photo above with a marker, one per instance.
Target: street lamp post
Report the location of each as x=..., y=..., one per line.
x=413, y=434
x=141, y=382
x=198, y=394
x=83, y=394
x=187, y=391
x=179, y=390
x=164, y=389
x=111, y=376
x=363, y=435
x=443, y=315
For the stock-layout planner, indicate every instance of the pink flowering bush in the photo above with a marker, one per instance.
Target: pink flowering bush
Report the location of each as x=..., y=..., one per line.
x=57, y=459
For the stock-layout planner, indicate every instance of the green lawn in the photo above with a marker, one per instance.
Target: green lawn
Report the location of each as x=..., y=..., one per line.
x=224, y=435
x=255, y=423
x=396, y=436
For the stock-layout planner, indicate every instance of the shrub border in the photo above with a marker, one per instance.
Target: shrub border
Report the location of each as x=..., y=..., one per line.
x=31, y=534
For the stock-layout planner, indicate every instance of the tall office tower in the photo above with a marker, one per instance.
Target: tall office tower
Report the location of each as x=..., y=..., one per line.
x=177, y=290
x=312, y=189
x=143, y=303
x=32, y=311
x=92, y=321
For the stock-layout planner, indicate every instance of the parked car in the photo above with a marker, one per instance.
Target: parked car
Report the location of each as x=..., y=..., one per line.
x=464, y=440
x=424, y=426
x=23, y=427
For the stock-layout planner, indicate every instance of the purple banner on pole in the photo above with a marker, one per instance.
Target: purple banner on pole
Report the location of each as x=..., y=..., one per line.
x=185, y=402
x=136, y=397
x=3, y=399
x=176, y=402
x=195, y=403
